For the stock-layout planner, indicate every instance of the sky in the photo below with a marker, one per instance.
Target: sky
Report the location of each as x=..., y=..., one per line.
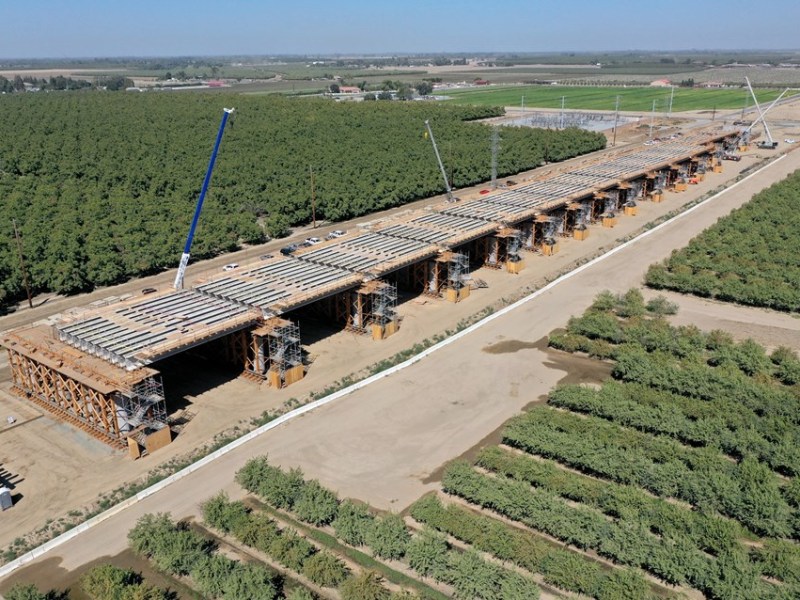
x=110, y=28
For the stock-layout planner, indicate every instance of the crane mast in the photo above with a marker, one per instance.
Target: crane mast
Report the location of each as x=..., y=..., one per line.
x=188, y=247
x=439, y=159
x=761, y=114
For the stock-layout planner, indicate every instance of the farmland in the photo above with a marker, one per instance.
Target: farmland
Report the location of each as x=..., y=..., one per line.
x=749, y=257
x=684, y=466
x=603, y=98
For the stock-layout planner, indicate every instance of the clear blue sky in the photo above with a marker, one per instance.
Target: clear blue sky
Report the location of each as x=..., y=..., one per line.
x=88, y=28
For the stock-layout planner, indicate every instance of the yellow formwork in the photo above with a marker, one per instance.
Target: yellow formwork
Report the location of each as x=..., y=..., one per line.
x=515, y=266
x=609, y=221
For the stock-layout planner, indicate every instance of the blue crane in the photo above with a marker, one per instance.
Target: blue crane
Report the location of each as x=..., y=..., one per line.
x=187, y=248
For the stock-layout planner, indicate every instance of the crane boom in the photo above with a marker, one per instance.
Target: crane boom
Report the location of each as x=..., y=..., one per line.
x=762, y=114
x=439, y=159
x=188, y=247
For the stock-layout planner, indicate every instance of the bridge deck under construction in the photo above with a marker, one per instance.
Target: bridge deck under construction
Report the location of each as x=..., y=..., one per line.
x=129, y=335
x=144, y=330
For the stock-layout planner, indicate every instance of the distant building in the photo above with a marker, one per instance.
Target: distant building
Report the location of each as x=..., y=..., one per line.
x=481, y=82
x=215, y=83
x=661, y=83
x=349, y=89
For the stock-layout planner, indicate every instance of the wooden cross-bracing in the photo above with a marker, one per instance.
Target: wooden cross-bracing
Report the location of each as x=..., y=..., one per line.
x=69, y=400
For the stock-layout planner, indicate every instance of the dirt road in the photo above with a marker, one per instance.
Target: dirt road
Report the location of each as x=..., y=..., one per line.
x=381, y=443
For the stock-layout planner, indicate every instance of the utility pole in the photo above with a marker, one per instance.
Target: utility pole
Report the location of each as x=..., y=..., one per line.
x=495, y=140
x=616, y=120
x=313, y=200
x=652, y=116
x=522, y=105
x=562, y=112
x=22, y=264
x=671, y=96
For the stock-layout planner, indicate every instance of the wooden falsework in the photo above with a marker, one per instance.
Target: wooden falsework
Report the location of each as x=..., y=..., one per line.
x=91, y=410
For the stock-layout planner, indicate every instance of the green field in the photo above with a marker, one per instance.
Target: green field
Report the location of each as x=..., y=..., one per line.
x=603, y=98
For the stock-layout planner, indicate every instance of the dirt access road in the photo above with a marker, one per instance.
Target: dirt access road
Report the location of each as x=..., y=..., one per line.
x=385, y=443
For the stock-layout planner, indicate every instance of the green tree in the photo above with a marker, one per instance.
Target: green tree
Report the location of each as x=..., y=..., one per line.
x=368, y=585
x=352, y=522
x=388, y=537
x=473, y=577
x=21, y=591
x=211, y=574
x=427, y=554
x=250, y=582
x=325, y=569
x=277, y=226
x=424, y=88
x=316, y=505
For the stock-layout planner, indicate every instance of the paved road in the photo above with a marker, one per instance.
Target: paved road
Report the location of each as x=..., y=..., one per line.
x=378, y=443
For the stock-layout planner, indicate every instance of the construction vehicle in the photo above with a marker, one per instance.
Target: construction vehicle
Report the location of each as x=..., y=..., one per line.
x=188, y=247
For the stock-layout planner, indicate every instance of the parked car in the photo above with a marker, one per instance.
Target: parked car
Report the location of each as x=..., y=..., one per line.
x=730, y=156
x=484, y=192
x=230, y=267
x=511, y=182
x=336, y=233
x=287, y=250
x=313, y=240
x=265, y=257
x=149, y=291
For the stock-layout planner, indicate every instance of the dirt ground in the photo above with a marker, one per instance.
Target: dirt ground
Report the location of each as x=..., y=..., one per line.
x=383, y=443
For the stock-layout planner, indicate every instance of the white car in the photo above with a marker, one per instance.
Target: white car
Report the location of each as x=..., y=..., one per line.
x=313, y=240
x=230, y=267
x=790, y=141
x=336, y=233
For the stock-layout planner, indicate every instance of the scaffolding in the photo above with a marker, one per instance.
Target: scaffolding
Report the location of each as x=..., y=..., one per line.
x=372, y=308
x=142, y=406
x=384, y=304
x=285, y=352
x=458, y=277
x=142, y=416
x=457, y=271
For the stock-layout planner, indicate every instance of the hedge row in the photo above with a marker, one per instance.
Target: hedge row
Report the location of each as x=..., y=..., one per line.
x=748, y=491
x=718, y=423
x=177, y=550
x=468, y=573
x=749, y=256
x=709, y=533
x=387, y=536
x=615, y=320
x=285, y=546
x=729, y=576
x=561, y=568
x=700, y=381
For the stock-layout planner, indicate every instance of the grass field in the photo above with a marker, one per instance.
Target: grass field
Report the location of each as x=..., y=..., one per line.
x=603, y=98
